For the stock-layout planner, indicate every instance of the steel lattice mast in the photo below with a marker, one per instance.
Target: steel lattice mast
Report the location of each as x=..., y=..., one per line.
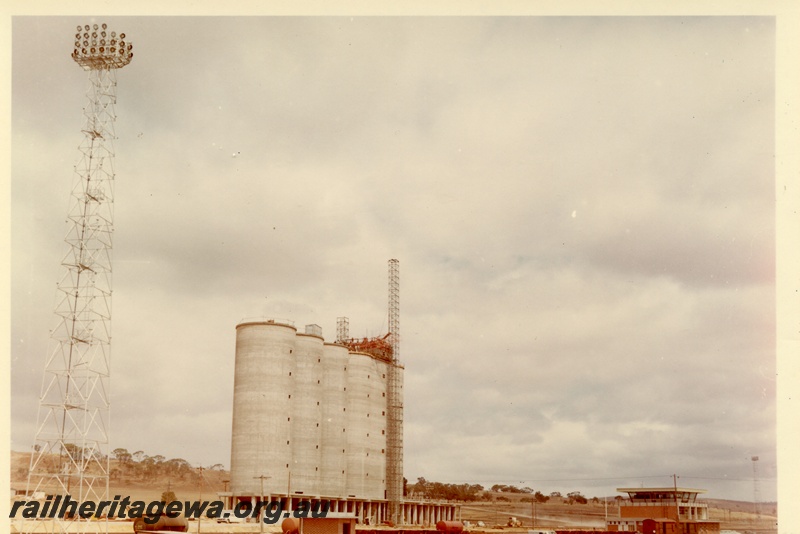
x=71, y=447
x=394, y=400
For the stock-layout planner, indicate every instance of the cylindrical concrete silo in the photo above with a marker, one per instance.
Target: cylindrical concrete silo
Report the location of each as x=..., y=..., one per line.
x=358, y=484
x=262, y=406
x=377, y=423
x=366, y=450
x=307, y=415
x=333, y=463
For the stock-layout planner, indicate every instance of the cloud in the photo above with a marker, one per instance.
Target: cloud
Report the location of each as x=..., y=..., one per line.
x=582, y=208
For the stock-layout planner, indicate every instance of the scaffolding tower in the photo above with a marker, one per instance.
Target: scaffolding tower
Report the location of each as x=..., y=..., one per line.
x=342, y=329
x=71, y=448
x=394, y=400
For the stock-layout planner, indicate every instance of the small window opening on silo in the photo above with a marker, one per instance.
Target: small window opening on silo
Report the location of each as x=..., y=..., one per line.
x=383, y=412
x=383, y=451
x=317, y=403
x=383, y=432
x=287, y=441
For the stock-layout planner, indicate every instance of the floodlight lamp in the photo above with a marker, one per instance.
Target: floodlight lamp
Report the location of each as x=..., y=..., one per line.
x=130, y=47
x=105, y=25
x=113, y=34
x=122, y=36
x=80, y=28
x=86, y=28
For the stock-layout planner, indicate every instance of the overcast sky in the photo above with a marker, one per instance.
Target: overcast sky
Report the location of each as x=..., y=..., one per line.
x=583, y=210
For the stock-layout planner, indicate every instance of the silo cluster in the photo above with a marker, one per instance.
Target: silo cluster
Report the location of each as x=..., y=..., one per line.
x=309, y=415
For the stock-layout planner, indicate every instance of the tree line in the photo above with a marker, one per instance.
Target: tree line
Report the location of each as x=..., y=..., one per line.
x=425, y=489
x=138, y=465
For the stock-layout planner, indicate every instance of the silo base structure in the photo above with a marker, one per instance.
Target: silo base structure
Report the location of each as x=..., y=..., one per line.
x=309, y=424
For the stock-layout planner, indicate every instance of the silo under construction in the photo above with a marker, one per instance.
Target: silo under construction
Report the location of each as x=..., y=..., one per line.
x=319, y=421
x=309, y=415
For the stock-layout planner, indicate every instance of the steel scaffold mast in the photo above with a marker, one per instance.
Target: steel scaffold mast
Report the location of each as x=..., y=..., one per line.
x=71, y=448
x=394, y=426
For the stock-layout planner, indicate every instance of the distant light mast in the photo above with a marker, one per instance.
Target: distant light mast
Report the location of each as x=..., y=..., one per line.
x=71, y=448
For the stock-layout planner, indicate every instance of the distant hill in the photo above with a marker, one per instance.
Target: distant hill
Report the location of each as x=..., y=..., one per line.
x=144, y=477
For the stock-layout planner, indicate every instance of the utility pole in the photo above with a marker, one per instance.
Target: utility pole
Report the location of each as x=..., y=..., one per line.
x=754, y=459
x=260, y=499
x=677, y=506
x=200, y=497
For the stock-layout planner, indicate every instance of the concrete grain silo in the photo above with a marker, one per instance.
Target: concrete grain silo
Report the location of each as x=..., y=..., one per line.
x=377, y=419
x=359, y=365
x=310, y=421
x=333, y=462
x=262, y=405
x=306, y=415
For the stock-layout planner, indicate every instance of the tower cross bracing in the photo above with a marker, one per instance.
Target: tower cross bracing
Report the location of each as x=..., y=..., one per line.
x=71, y=447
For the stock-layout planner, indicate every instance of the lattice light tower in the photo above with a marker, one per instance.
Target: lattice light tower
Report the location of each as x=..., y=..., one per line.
x=394, y=427
x=71, y=448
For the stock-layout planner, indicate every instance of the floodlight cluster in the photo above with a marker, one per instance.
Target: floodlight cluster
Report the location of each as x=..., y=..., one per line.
x=98, y=48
